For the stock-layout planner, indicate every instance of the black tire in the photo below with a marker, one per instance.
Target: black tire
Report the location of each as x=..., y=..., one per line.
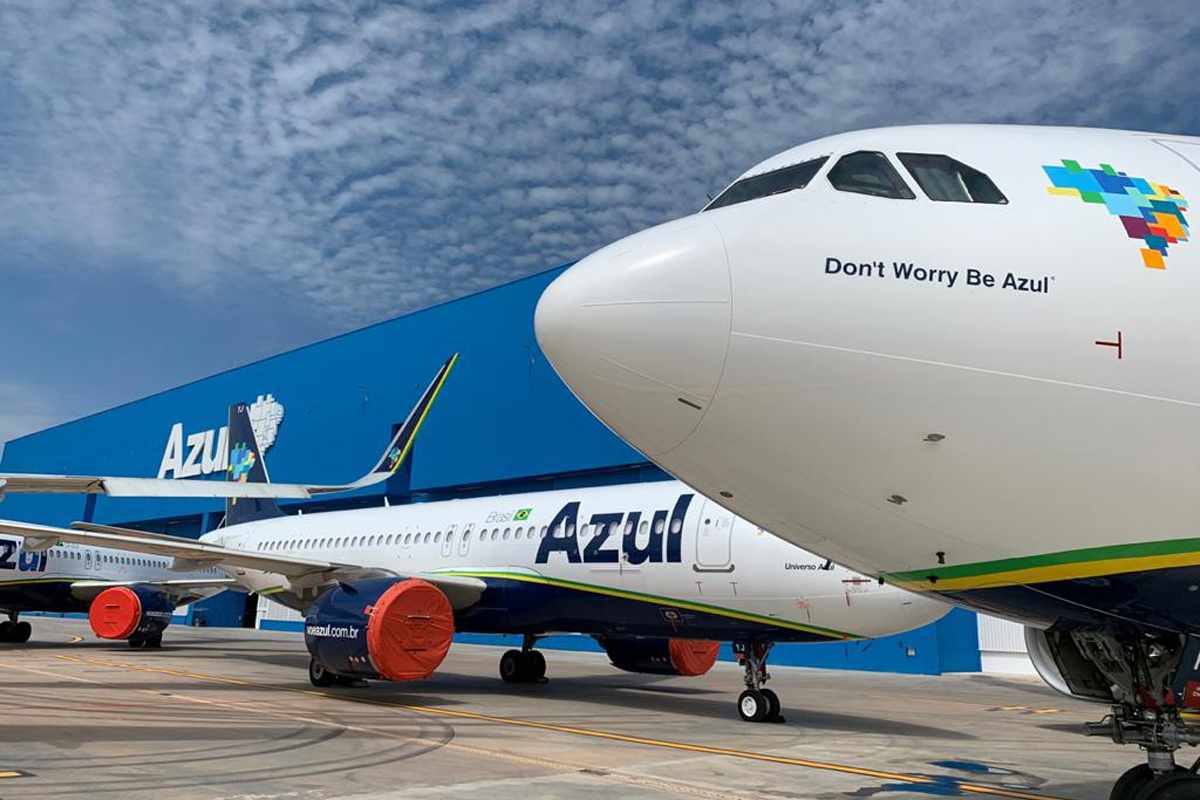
x=1179, y=785
x=753, y=706
x=774, y=707
x=1132, y=782
x=319, y=676
x=535, y=665
x=153, y=642
x=21, y=632
x=6, y=631
x=137, y=642
x=512, y=666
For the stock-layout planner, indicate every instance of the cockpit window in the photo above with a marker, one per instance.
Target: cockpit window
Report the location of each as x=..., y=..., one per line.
x=777, y=181
x=869, y=173
x=944, y=178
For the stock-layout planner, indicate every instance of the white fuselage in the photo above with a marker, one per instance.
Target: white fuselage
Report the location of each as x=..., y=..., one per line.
x=614, y=541
x=28, y=580
x=896, y=423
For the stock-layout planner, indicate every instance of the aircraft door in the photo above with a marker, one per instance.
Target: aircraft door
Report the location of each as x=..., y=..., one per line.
x=464, y=541
x=87, y=559
x=448, y=542
x=714, y=540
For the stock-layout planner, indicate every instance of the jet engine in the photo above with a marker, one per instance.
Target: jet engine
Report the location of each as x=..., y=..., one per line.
x=659, y=656
x=380, y=628
x=139, y=614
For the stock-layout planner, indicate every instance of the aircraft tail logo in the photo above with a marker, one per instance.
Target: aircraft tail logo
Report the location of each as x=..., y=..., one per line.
x=1152, y=212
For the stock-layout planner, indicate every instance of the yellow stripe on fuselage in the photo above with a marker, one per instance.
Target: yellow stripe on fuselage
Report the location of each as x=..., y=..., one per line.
x=1056, y=572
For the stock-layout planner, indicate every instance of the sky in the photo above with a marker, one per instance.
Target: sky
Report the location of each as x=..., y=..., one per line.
x=184, y=189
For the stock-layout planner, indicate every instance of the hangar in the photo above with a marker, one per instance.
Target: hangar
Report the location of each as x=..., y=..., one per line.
x=506, y=423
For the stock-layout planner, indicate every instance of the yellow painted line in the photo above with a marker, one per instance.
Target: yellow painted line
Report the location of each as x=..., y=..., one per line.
x=76, y=640
x=846, y=769
x=10, y=774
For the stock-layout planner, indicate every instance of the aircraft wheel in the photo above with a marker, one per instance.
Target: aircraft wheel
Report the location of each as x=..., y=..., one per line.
x=6, y=631
x=153, y=642
x=319, y=676
x=21, y=632
x=512, y=666
x=1183, y=785
x=774, y=707
x=535, y=665
x=1133, y=781
x=753, y=706
x=137, y=642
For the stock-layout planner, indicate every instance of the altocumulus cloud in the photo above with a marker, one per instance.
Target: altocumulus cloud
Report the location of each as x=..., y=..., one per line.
x=370, y=158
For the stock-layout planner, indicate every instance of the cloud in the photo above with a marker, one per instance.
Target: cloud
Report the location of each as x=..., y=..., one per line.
x=366, y=159
x=24, y=410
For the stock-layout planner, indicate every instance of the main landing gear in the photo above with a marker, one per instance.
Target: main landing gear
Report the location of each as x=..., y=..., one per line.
x=146, y=642
x=14, y=632
x=525, y=665
x=756, y=704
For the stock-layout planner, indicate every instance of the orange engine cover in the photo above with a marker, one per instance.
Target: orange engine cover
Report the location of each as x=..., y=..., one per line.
x=693, y=656
x=410, y=629
x=115, y=613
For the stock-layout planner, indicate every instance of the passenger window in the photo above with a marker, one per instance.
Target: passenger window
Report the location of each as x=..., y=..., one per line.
x=777, y=181
x=946, y=179
x=676, y=525
x=870, y=173
x=504, y=535
x=544, y=529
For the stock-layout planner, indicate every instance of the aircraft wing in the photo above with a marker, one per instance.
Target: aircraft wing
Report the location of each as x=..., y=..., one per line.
x=184, y=590
x=191, y=554
x=397, y=449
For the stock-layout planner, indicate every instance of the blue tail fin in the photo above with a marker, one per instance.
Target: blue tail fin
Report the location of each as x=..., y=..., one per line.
x=247, y=465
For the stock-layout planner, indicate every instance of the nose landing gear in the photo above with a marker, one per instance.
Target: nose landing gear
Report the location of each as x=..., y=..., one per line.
x=756, y=703
x=13, y=631
x=525, y=665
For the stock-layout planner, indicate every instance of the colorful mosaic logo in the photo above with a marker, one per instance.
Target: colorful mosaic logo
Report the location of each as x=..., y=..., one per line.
x=1152, y=212
x=393, y=458
x=241, y=461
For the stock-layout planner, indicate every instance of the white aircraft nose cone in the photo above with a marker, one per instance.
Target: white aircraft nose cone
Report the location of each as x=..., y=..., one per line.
x=639, y=330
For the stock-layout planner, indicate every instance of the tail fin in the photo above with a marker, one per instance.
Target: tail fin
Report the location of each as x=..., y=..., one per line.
x=246, y=465
x=400, y=446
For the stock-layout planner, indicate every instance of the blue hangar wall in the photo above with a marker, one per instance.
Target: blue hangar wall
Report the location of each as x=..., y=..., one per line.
x=505, y=423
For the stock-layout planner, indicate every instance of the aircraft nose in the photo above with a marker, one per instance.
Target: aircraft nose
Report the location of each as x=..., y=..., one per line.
x=639, y=330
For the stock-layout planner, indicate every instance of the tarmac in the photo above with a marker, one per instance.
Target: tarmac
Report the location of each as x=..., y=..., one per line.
x=220, y=713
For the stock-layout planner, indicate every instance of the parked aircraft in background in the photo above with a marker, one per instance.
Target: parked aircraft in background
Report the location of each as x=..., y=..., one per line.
x=653, y=571
x=957, y=358
x=106, y=582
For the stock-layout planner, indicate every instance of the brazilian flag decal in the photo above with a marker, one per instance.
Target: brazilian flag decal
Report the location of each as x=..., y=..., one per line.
x=522, y=514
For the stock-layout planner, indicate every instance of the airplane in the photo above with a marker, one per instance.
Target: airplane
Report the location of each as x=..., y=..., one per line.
x=131, y=596
x=952, y=357
x=103, y=582
x=653, y=571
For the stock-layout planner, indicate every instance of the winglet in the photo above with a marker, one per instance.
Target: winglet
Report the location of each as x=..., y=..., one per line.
x=401, y=444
